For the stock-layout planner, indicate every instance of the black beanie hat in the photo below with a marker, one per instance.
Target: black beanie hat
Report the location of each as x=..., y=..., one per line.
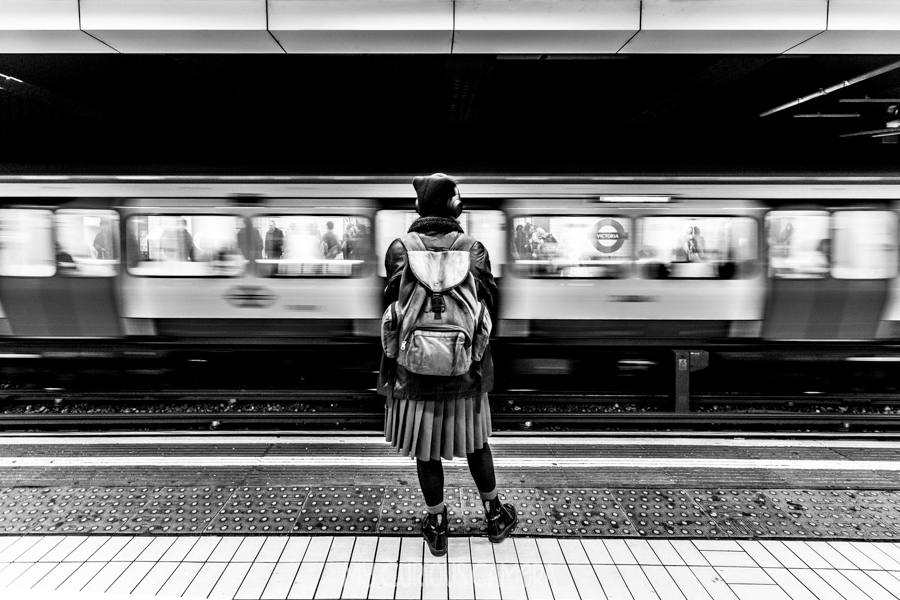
x=433, y=192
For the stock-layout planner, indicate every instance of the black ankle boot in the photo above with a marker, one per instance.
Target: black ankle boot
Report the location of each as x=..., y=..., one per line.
x=501, y=519
x=434, y=530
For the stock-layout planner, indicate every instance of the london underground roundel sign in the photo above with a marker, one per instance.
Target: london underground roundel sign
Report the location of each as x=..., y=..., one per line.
x=608, y=235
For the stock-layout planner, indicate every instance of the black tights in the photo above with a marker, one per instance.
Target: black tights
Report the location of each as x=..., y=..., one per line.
x=431, y=475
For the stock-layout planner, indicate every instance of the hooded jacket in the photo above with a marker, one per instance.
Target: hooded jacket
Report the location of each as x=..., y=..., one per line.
x=438, y=233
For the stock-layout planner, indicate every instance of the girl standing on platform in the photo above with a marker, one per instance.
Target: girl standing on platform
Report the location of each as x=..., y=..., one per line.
x=429, y=417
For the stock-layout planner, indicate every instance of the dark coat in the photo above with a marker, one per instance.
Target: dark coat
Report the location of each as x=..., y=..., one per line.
x=438, y=233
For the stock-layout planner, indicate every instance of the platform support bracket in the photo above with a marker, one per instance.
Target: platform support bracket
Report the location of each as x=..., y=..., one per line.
x=687, y=361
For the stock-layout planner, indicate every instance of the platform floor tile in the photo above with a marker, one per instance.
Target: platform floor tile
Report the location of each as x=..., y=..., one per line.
x=324, y=566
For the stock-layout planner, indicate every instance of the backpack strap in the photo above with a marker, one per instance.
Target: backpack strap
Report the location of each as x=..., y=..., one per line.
x=463, y=243
x=413, y=243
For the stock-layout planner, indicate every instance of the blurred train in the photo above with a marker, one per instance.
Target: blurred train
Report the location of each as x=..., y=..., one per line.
x=660, y=263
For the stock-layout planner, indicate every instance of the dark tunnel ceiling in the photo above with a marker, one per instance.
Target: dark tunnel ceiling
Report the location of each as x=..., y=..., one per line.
x=397, y=113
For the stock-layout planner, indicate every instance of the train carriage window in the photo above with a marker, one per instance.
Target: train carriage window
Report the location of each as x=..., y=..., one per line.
x=89, y=239
x=486, y=226
x=865, y=244
x=570, y=246
x=186, y=245
x=26, y=244
x=799, y=243
x=697, y=247
x=314, y=246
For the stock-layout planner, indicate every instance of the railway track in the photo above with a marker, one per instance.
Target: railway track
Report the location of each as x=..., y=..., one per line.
x=55, y=409
x=773, y=421
x=59, y=397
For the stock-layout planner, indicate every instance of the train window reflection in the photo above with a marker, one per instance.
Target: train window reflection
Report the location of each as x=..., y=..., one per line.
x=564, y=246
x=313, y=246
x=865, y=245
x=696, y=247
x=486, y=226
x=26, y=244
x=799, y=244
x=185, y=245
x=89, y=241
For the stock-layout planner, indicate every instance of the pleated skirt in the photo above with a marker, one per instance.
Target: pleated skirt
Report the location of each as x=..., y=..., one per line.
x=436, y=429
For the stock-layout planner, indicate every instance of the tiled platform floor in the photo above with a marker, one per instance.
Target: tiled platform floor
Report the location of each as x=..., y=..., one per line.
x=400, y=567
x=600, y=517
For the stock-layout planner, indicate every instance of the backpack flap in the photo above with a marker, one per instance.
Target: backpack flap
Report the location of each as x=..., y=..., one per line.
x=439, y=271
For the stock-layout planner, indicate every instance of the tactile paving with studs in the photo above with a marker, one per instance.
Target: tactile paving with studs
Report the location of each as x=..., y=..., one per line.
x=175, y=510
x=667, y=513
x=333, y=510
x=260, y=509
x=69, y=510
x=542, y=511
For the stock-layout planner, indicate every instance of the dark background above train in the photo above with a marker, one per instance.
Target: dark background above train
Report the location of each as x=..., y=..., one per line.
x=322, y=114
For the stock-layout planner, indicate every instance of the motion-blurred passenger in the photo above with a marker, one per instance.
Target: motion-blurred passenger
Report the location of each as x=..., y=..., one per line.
x=177, y=243
x=699, y=244
x=684, y=248
x=64, y=262
x=350, y=232
x=103, y=242
x=250, y=241
x=331, y=246
x=525, y=250
x=431, y=417
x=274, y=242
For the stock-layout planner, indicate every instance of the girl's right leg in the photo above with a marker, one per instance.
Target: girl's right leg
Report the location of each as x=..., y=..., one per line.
x=434, y=527
x=501, y=518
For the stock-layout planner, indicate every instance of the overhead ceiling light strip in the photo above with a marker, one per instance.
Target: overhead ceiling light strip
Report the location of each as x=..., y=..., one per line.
x=834, y=88
x=870, y=100
x=825, y=115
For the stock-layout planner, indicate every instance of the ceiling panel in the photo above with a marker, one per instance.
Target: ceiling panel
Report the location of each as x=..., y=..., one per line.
x=691, y=15
x=858, y=27
x=539, y=42
x=339, y=26
x=705, y=41
x=43, y=26
x=851, y=42
x=49, y=42
x=173, y=14
x=734, y=27
x=179, y=26
x=39, y=14
x=188, y=42
x=489, y=26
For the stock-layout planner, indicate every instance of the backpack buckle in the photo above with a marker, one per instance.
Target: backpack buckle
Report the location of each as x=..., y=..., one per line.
x=437, y=305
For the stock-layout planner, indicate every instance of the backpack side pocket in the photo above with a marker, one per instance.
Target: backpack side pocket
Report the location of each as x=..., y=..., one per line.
x=483, y=327
x=390, y=330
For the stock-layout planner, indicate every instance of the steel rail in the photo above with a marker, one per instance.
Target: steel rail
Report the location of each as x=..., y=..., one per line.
x=777, y=420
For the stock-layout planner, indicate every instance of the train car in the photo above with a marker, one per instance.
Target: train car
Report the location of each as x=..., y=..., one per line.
x=622, y=270
x=832, y=272
x=249, y=272
x=60, y=265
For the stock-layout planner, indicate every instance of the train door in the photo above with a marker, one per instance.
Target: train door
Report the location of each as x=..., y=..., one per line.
x=829, y=273
x=58, y=272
